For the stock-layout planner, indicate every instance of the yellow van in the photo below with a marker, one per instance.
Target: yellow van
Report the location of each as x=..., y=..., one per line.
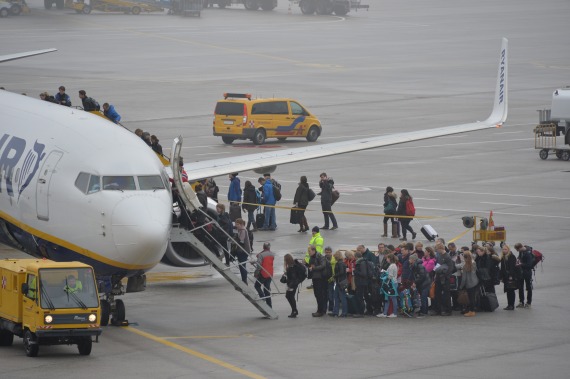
x=237, y=116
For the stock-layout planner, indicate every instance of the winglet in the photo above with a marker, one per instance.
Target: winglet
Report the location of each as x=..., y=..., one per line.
x=501, y=105
x=11, y=57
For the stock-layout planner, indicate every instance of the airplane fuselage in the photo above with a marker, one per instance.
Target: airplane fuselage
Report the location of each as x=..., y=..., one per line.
x=74, y=186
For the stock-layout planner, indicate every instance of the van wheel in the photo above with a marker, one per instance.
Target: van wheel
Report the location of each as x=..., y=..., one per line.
x=105, y=312
x=565, y=156
x=4, y=12
x=259, y=137
x=340, y=10
x=30, y=344
x=136, y=10
x=84, y=346
x=313, y=134
x=86, y=9
x=6, y=338
x=251, y=5
x=228, y=140
x=543, y=154
x=267, y=5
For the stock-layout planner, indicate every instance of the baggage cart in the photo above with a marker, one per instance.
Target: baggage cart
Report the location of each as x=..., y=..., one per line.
x=545, y=140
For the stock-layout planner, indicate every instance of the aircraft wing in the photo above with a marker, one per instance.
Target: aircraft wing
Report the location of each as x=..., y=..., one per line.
x=268, y=160
x=12, y=57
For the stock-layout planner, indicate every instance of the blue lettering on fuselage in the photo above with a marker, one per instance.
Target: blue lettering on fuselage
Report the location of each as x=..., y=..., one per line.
x=12, y=149
x=502, y=77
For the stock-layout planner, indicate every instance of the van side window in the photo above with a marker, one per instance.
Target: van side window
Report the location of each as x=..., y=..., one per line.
x=296, y=109
x=280, y=107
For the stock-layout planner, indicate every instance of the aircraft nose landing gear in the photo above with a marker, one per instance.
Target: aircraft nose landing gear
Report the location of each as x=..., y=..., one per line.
x=111, y=308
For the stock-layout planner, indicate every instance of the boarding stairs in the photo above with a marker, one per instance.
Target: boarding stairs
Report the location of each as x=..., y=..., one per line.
x=197, y=236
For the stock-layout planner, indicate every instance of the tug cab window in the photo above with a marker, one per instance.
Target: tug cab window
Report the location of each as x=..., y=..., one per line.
x=119, y=183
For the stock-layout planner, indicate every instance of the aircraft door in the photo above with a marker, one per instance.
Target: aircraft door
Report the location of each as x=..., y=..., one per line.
x=44, y=178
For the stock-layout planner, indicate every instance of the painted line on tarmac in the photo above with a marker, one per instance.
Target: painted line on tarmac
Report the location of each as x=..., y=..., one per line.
x=208, y=337
x=194, y=353
x=515, y=205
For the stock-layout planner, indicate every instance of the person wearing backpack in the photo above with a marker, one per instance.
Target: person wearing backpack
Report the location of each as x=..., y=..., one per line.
x=317, y=265
x=363, y=272
x=392, y=274
x=390, y=206
x=526, y=261
x=422, y=281
x=89, y=103
x=406, y=208
x=510, y=274
x=444, y=268
x=327, y=186
x=295, y=274
x=250, y=204
x=301, y=201
x=244, y=249
x=340, y=285
x=270, y=201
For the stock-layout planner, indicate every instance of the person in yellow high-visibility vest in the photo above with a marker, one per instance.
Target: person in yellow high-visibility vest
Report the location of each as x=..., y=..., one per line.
x=73, y=285
x=317, y=241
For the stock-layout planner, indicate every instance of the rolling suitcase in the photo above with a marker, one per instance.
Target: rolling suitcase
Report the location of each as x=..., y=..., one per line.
x=259, y=220
x=429, y=232
x=352, y=304
x=235, y=211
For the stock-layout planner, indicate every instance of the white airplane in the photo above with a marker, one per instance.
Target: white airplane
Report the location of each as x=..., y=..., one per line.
x=74, y=186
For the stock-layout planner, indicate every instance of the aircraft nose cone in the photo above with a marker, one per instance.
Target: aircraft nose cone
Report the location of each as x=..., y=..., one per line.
x=141, y=226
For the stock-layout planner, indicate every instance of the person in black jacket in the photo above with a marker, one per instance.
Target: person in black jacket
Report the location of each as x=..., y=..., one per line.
x=510, y=275
x=340, y=286
x=526, y=259
x=422, y=282
x=89, y=104
x=327, y=185
x=292, y=268
x=390, y=206
x=301, y=201
x=405, y=221
x=317, y=264
x=250, y=204
x=443, y=270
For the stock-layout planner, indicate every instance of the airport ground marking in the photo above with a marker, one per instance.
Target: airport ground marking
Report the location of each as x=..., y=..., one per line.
x=194, y=353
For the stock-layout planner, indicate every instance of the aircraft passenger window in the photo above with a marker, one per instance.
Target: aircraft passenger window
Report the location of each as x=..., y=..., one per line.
x=81, y=181
x=296, y=109
x=94, y=185
x=119, y=183
x=151, y=182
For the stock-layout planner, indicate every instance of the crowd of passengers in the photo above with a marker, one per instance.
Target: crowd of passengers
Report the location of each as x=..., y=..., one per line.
x=398, y=280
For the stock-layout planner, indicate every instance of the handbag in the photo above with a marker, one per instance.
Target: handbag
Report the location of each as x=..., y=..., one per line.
x=511, y=284
x=335, y=195
x=463, y=297
x=432, y=291
x=483, y=274
x=343, y=284
x=283, y=278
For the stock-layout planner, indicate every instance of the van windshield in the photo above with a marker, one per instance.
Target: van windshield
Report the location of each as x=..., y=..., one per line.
x=62, y=288
x=229, y=109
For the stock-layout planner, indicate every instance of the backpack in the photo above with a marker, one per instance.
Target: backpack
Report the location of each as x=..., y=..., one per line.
x=365, y=269
x=311, y=195
x=258, y=196
x=95, y=104
x=300, y=271
x=537, y=256
x=276, y=190
x=410, y=209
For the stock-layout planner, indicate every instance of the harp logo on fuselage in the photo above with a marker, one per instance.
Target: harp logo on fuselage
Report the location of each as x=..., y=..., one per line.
x=12, y=150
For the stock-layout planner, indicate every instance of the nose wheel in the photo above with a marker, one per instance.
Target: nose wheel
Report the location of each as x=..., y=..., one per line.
x=114, y=311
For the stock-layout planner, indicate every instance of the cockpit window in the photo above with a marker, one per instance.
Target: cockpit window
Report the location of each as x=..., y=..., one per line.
x=119, y=183
x=82, y=181
x=94, y=185
x=151, y=182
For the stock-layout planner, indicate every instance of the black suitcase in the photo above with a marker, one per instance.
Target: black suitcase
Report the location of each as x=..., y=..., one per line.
x=352, y=304
x=259, y=220
x=429, y=232
x=235, y=211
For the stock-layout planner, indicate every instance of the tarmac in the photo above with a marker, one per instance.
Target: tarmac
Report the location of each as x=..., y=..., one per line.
x=401, y=66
